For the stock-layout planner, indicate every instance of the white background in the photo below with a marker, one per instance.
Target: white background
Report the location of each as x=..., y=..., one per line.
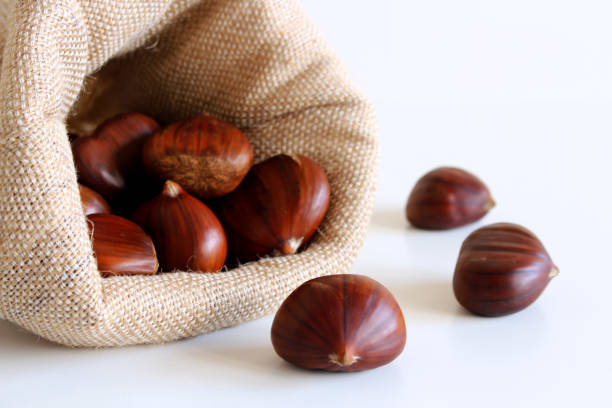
x=520, y=93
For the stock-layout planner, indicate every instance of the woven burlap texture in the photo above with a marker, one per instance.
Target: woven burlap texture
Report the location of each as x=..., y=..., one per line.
x=260, y=64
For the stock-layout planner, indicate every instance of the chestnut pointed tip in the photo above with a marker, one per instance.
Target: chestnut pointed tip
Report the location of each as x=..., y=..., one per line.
x=553, y=272
x=172, y=189
x=291, y=246
x=490, y=204
x=343, y=359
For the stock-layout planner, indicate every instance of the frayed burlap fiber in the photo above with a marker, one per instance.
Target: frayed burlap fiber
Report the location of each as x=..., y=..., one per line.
x=69, y=64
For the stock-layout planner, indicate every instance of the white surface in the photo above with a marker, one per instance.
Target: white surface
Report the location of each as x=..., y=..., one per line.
x=519, y=92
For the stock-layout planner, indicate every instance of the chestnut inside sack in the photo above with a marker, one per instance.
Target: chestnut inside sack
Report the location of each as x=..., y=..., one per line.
x=64, y=73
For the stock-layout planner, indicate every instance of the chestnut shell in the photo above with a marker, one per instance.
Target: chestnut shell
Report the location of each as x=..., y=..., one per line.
x=276, y=209
x=207, y=156
x=339, y=323
x=187, y=234
x=121, y=247
x=502, y=268
x=447, y=197
x=93, y=203
x=108, y=161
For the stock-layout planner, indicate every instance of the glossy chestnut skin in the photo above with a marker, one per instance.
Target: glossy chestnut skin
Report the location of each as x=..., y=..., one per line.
x=108, y=161
x=502, y=268
x=186, y=233
x=447, y=197
x=205, y=155
x=121, y=247
x=339, y=323
x=276, y=209
x=93, y=203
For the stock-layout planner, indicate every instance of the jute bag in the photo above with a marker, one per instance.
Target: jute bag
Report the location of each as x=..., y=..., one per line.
x=68, y=64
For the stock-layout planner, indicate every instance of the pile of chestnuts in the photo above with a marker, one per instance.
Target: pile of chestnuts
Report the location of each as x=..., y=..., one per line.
x=187, y=196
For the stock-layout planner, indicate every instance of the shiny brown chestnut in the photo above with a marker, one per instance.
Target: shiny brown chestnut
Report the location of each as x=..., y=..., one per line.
x=205, y=155
x=108, y=161
x=93, y=203
x=502, y=268
x=187, y=234
x=447, y=197
x=121, y=247
x=276, y=209
x=339, y=323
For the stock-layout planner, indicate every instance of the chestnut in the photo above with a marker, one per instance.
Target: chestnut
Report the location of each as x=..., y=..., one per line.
x=276, y=209
x=339, y=323
x=93, y=203
x=108, y=161
x=121, y=247
x=187, y=234
x=447, y=197
x=205, y=155
x=502, y=268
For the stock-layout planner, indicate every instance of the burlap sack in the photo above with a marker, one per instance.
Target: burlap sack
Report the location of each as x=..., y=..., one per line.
x=259, y=64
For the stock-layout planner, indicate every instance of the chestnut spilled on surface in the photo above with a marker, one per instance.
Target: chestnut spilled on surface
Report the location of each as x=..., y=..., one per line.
x=447, y=197
x=502, y=268
x=339, y=323
x=206, y=156
x=93, y=203
x=121, y=247
x=187, y=234
x=276, y=209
